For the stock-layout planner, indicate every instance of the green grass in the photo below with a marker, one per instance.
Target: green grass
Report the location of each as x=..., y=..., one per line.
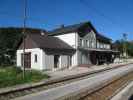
x=10, y=76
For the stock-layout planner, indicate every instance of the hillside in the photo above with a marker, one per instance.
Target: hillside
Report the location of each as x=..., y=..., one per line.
x=10, y=38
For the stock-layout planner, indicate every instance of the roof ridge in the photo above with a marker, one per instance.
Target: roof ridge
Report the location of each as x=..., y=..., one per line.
x=65, y=26
x=67, y=29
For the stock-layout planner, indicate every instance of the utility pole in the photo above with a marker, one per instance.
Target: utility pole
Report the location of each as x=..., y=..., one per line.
x=24, y=35
x=124, y=45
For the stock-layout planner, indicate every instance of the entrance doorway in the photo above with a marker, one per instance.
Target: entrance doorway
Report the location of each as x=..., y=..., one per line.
x=56, y=61
x=27, y=60
x=93, y=58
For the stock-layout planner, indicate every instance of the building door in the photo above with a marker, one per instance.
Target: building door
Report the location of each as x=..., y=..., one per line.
x=93, y=57
x=27, y=60
x=56, y=61
x=69, y=61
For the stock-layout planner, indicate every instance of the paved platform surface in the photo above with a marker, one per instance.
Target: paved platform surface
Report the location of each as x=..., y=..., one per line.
x=79, y=86
x=79, y=70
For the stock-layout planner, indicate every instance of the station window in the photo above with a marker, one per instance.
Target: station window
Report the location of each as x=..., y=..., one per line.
x=35, y=58
x=80, y=42
x=86, y=43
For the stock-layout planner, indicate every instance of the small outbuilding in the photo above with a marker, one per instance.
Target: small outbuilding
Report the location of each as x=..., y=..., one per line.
x=44, y=52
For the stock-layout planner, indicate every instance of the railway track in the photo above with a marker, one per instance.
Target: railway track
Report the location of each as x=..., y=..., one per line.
x=17, y=93
x=111, y=89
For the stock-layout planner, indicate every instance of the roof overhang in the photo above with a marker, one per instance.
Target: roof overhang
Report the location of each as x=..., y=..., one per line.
x=57, y=51
x=98, y=50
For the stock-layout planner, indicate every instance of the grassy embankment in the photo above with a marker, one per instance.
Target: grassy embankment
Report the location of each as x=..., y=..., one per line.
x=10, y=76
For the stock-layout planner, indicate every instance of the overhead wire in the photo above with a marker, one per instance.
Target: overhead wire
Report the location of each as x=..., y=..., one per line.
x=99, y=13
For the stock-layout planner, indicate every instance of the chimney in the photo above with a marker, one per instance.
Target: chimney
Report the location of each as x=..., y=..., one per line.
x=62, y=26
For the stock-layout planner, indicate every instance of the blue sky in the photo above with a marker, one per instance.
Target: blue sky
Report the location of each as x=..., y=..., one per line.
x=110, y=17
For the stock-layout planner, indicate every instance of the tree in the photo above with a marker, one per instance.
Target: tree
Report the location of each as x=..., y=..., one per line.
x=10, y=39
x=118, y=44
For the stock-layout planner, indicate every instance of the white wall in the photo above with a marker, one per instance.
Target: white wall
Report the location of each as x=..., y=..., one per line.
x=79, y=57
x=44, y=61
x=68, y=38
x=102, y=45
x=89, y=37
x=83, y=58
x=75, y=59
x=49, y=62
x=63, y=61
x=72, y=40
x=34, y=65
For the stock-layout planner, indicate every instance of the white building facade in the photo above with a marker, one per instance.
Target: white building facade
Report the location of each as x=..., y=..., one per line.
x=74, y=40
x=65, y=47
x=85, y=40
x=42, y=61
